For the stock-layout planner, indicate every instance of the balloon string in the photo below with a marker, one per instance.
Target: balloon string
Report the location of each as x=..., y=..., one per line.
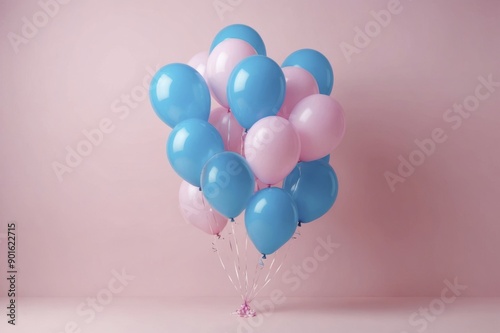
x=256, y=276
x=214, y=244
x=260, y=267
x=268, y=279
x=251, y=297
x=246, y=264
x=270, y=268
x=233, y=258
x=237, y=258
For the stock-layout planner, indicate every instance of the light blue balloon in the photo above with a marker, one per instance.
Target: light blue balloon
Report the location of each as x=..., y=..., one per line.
x=227, y=183
x=255, y=89
x=271, y=219
x=190, y=145
x=241, y=31
x=178, y=92
x=315, y=63
x=314, y=187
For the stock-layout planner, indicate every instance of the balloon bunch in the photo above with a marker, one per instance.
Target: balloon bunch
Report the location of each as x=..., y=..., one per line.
x=265, y=150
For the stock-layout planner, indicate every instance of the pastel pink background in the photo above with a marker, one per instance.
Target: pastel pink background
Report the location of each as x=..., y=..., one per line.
x=119, y=207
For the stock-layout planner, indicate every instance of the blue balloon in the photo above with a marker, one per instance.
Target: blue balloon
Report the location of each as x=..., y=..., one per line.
x=325, y=159
x=178, y=92
x=315, y=63
x=314, y=187
x=271, y=219
x=227, y=183
x=240, y=31
x=255, y=89
x=190, y=145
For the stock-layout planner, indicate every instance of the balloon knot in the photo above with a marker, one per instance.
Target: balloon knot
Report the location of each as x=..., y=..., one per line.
x=300, y=224
x=264, y=256
x=199, y=188
x=246, y=130
x=232, y=219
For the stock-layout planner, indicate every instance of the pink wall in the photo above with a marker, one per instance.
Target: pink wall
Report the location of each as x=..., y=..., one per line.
x=118, y=206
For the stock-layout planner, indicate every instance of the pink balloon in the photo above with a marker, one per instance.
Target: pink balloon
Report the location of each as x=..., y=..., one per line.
x=299, y=84
x=199, y=62
x=198, y=212
x=229, y=129
x=221, y=61
x=272, y=148
x=319, y=121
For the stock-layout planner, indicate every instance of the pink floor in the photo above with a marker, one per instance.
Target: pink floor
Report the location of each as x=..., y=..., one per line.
x=301, y=315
